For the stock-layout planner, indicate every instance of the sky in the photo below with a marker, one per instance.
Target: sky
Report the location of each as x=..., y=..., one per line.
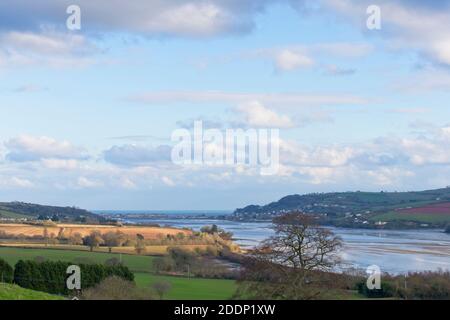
x=87, y=115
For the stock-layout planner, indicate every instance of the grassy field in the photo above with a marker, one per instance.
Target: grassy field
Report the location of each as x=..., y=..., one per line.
x=11, y=215
x=190, y=288
x=13, y=292
x=134, y=262
x=182, y=288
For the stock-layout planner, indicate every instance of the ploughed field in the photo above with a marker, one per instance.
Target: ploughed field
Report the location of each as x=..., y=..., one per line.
x=68, y=230
x=438, y=209
x=433, y=213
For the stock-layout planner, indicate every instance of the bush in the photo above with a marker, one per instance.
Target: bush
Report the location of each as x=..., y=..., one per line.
x=181, y=258
x=161, y=288
x=163, y=264
x=113, y=262
x=6, y=272
x=115, y=288
x=425, y=285
x=49, y=276
x=386, y=291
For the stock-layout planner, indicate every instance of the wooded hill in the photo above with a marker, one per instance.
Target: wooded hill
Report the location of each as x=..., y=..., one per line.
x=361, y=208
x=17, y=210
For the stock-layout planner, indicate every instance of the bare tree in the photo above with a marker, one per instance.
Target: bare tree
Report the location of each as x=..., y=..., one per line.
x=115, y=288
x=93, y=240
x=45, y=236
x=161, y=288
x=114, y=239
x=288, y=264
x=76, y=239
x=140, y=247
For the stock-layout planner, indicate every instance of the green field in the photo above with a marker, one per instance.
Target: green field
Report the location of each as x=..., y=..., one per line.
x=190, y=288
x=182, y=287
x=11, y=215
x=13, y=292
x=134, y=262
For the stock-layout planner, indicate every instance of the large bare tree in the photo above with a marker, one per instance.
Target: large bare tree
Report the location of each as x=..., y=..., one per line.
x=291, y=263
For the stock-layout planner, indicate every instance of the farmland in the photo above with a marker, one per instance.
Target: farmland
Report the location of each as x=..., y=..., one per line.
x=11, y=215
x=182, y=287
x=156, y=250
x=400, y=210
x=434, y=213
x=134, y=262
x=68, y=230
x=190, y=288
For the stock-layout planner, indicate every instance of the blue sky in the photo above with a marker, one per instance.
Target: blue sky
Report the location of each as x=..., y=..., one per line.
x=88, y=114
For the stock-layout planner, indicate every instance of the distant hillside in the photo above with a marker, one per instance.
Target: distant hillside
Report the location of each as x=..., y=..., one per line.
x=17, y=210
x=361, y=209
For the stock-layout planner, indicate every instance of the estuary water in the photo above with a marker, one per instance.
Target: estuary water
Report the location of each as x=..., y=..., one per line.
x=393, y=251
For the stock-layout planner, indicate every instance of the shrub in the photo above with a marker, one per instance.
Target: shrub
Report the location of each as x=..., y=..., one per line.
x=387, y=290
x=49, y=276
x=425, y=285
x=113, y=262
x=163, y=264
x=76, y=239
x=161, y=288
x=40, y=259
x=93, y=240
x=115, y=288
x=181, y=258
x=6, y=272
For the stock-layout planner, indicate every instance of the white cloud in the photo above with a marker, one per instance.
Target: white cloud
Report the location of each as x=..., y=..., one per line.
x=235, y=98
x=412, y=110
x=301, y=56
x=61, y=164
x=422, y=27
x=127, y=183
x=288, y=60
x=16, y=182
x=424, y=81
x=137, y=155
x=46, y=47
x=389, y=176
x=387, y=162
x=84, y=182
x=31, y=148
x=193, y=18
x=257, y=115
x=44, y=43
x=168, y=182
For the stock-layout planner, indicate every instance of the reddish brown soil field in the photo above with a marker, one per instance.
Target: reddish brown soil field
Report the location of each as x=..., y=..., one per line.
x=435, y=209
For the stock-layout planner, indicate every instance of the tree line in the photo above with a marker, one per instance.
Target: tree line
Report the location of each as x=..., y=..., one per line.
x=51, y=276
